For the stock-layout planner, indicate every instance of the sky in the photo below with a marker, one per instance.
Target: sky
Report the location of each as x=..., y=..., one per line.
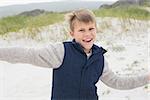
x=13, y=2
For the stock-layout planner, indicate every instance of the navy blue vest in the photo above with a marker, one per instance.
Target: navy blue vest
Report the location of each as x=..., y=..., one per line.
x=75, y=79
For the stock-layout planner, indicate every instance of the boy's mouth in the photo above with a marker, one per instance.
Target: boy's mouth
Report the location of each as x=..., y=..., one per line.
x=87, y=40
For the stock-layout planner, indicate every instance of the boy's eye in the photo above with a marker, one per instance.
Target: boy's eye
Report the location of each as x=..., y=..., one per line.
x=91, y=29
x=81, y=30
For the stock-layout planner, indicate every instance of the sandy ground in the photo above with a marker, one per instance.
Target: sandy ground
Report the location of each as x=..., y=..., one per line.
x=128, y=53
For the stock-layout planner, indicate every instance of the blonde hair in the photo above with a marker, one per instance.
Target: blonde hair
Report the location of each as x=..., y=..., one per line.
x=83, y=15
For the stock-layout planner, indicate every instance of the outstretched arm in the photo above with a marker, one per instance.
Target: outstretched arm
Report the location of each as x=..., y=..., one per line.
x=50, y=56
x=123, y=82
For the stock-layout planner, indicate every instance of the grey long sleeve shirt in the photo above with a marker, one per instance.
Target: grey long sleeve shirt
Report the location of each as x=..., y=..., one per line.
x=52, y=57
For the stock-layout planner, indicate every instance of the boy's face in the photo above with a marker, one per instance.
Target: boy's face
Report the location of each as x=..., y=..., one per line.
x=84, y=34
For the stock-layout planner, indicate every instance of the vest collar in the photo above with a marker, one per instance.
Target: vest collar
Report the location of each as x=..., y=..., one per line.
x=95, y=49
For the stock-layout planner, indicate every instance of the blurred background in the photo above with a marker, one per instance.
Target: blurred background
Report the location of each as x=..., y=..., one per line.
x=123, y=28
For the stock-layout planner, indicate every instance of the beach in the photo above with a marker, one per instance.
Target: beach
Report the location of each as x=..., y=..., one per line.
x=127, y=45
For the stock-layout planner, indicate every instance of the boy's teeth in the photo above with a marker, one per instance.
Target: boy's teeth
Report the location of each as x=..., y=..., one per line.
x=88, y=40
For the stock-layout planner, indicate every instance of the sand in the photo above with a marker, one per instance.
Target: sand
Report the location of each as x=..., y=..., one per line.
x=128, y=51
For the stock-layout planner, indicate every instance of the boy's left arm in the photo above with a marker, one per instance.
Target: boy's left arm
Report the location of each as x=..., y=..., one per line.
x=123, y=82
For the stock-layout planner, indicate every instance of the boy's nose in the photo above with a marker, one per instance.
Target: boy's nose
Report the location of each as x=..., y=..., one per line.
x=88, y=33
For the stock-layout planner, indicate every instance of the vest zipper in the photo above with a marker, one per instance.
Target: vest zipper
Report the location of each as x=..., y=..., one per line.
x=82, y=76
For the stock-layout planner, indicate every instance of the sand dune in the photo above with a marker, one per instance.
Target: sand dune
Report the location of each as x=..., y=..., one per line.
x=127, y=46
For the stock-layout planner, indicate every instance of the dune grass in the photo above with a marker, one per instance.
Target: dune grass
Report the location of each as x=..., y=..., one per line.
x=12, y=24
x=15, y=23
x=134, y=12
x=32, y=24
x=147, y=3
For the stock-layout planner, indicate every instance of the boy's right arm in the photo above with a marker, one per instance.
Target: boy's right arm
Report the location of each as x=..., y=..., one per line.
x=50, y=56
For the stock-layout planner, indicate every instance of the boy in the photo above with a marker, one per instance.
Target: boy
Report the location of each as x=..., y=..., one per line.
x=77, y=65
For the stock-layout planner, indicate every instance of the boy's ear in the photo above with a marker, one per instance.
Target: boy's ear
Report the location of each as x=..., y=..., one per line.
x=71, y=33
